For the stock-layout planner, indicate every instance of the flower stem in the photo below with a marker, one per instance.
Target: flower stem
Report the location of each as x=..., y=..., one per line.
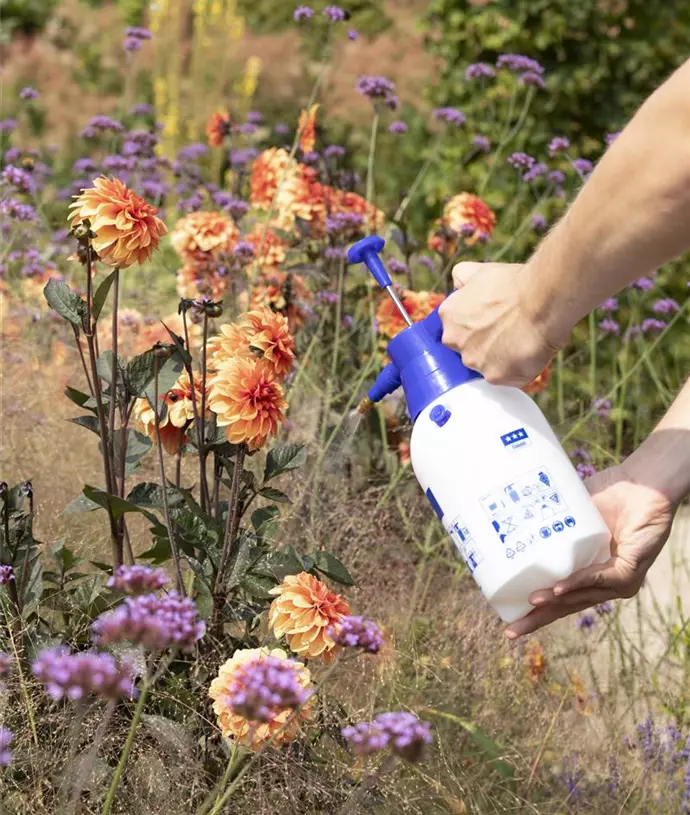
x=127, y=749
x=164, y=485
x=218, y=789
x=87, y=762
x=115, y=371
x=370, y=169
x=22, y=680
x=198, y=421
x=414, y=187
x=203, y=485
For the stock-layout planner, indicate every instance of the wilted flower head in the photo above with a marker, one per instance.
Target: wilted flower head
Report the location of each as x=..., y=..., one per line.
x=138, y=579
x=217, y=128
x=265, y=687
x=398, y=127
x=126, y=227
x=479, y=70
x=403, y=733
x=6, y=738
x=88, y=673
x=248, y=401
x=6, y=575
x=358, y=632
x=203, y=236
x=229, y=683
x=306, y=127
x=157, y=623
x=451, y=116
x=303, y=612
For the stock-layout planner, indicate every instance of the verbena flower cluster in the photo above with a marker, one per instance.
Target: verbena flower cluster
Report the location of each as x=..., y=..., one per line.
x=358, y=632
x=67, y=675
x=264, y=687
x=138, y=579
x=404, y=734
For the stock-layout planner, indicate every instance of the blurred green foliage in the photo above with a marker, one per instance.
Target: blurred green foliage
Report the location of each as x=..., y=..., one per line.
x=25, y=16
x=267, y=16
x=602, y=57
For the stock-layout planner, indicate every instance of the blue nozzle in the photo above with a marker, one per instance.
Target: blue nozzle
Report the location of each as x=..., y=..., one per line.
x=367, y=251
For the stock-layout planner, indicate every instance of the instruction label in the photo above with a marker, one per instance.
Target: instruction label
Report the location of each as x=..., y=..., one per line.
x=465, y=543
x=527, y=509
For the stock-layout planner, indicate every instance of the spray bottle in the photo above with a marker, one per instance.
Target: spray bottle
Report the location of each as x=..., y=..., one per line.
x=489, y=463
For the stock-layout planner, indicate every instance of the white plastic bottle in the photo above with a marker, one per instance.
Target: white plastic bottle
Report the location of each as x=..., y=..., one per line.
x=489, y=463
x=506, y=492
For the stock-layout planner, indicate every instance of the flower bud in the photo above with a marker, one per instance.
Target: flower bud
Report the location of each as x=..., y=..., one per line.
x=163, y=350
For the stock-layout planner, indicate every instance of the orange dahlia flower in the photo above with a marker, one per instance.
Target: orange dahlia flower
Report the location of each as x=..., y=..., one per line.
x=179, y=413
x=418, y=304
x=284, y=292
x=270, y=168
x=273, y=248
x=303, y=611
x=217, y=128
x=351, y=202
x=202, y=236
x=262, y=333
x=463, y=210
x=248, y=401
x=306, y=127
x=202, y=279
x=126, y=227
x=236, y=727
x=539, y=383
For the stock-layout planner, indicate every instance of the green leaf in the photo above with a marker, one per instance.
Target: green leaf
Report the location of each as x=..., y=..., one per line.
x=65, y=302
x=493, y=751
x=167, y=376
x=328, y=564
x=101, y=294
x=258, y=586
x=159, y=552
x=89, y=422
x=265, y=522
x=80, y=504
x=104, y=366
x=140, y=372
x=169, y=734
x=65, y=557
x=76, y=396
x=273, y=494
x=150, y=494
x=136, y=447
x=278, y=565
x=282, y=458
x=239, y=565
x=118, y=506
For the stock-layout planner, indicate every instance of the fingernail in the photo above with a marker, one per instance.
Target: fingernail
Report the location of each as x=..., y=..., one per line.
x=537, y=599
x=558, y=590
x=511, y=634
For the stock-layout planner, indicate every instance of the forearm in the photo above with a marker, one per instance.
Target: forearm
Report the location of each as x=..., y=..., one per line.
x=632, y=215
x=662, y=461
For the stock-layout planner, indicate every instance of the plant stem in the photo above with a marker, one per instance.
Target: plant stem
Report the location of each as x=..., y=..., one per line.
x=370, y=226
x=414, y=187
x=231, y=524
x=384, y=767
x=22, y=681
x=198, y=422
x=203, y=485
x=164, y=485
x=126, y=750
x=115, y=371
x=87, y=762
x=77, y=340
x=508, y=133
x=218, y=789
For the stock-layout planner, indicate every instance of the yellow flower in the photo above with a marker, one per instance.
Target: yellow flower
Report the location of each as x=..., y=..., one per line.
x=248, y=401
x=303, y=611
x=126, y=227
x=239, y=729
x=203, y=236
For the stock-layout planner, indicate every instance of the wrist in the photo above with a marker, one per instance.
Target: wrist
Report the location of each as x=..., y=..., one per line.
x=661, y=465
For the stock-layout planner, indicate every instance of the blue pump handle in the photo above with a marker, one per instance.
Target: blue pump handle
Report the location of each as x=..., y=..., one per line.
x=367, y=251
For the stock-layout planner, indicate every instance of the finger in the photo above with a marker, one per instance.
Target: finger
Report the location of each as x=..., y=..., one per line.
x=599, y=575
x=572, y=598
x=542, y=616
x=462, y=272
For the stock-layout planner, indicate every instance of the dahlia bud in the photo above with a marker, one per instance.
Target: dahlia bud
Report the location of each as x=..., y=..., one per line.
x=213, y=310
x=184, y=305
x=163, y=350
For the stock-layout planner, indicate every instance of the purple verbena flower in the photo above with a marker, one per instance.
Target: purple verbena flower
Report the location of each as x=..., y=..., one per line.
x=84, y=165
x=131, y=44
x=427, y=262
x=303, y=13
x=396, y=266
x=101, y=124
x=6, y=738
x=138, y=33
x=138, y=579
x=352, y=35
x=586, y=621
x=604, y=608
x=334, y=151
x=28, y=94
x=609, y=305
x=539, y=223
x=15, y=210
x=344, y=223
x=609, y=326
x=582, y=166
x=335, y=14
x=585, y=470
x=479, y=70
x=482, y=142
x=558, y=144
x=246, y=128
x=650, y=325
x=532, y=78
x=67, y=675
x=264, y=687
x=359, y=632
x=535, y=171
x=330, y=298
x=401, y=732
x=398, y=127
x=8, y=125
x=602, y=407
x=311, y=158
x=6, y=575
x=610, y=138
x=556, y=177
x=375, y=87
x=644, y=284
x=192, y=152
x=118, y=164
x=255, y=117
x=243, y=251
x=142, y=109
x=281, y=129
x=20, y=179
x=519, y=64
x=243, y=156
x=451, y=116
x=169, y=621
x=520, y=161
x=347, y=321
x=665, y=306
x=235, y=207
x=334, y=252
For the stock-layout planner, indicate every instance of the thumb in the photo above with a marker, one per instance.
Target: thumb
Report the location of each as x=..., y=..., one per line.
x=463, y=272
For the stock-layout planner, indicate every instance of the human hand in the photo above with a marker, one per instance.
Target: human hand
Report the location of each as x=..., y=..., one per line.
x=488, y=321
x=640, y=519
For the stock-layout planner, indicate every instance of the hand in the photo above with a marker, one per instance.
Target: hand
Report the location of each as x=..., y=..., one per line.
x=640, y=519
x=488, y=323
